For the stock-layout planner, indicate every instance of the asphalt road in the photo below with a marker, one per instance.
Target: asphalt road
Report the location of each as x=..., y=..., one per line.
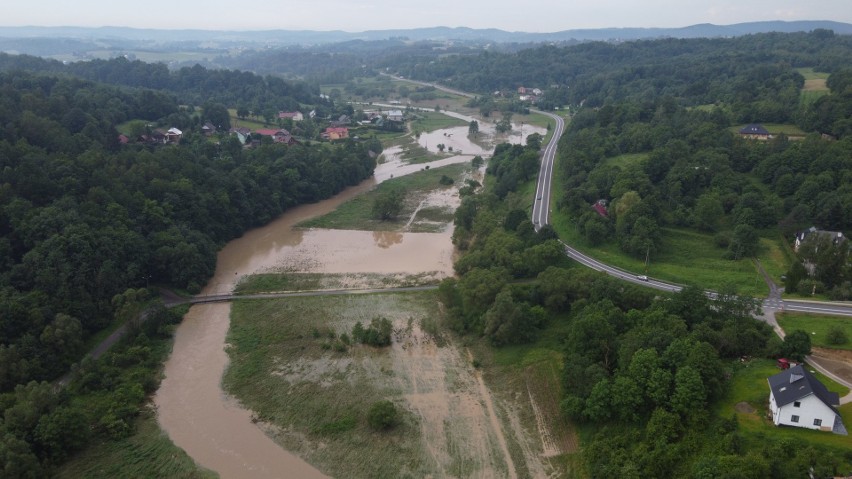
x=541, y=204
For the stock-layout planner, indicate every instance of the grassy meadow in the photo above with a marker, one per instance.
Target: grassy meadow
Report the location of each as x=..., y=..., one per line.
x=685, y=257
x=358, y=213
x=817, y=327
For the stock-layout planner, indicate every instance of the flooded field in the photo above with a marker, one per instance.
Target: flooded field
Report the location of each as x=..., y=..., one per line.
x=458, y=421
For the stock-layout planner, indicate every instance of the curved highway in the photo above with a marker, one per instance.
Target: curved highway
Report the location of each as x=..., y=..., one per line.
x=541, y=205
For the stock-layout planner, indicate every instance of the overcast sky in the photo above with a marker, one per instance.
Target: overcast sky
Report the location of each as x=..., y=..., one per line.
x=360, y=15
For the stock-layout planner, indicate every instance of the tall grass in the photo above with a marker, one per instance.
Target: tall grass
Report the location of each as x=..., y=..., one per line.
x=149, y=453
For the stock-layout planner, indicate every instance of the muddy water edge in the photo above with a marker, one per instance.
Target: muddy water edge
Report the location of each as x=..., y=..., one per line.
x=192, y=408
x=199, y=417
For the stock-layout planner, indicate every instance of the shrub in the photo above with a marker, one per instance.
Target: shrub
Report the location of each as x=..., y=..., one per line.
x=377, y=334
x=382, y=415
x=836, y=336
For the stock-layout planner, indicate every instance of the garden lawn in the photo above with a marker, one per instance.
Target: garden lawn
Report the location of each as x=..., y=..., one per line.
x=817, y=327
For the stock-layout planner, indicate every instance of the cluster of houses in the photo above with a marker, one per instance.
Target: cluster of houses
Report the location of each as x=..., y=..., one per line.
x=531, y=95
x=158, y=136
x=338, y=130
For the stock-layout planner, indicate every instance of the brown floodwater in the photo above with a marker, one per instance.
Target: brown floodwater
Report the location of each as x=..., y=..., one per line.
x=199, y=417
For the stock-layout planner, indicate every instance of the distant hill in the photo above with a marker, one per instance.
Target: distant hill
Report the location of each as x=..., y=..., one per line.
x=309, y=37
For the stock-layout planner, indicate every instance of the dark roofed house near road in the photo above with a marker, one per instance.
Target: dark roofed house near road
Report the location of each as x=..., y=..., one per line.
x=797, y=398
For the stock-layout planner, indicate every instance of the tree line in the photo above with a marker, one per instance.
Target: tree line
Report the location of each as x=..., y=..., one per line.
x=195, y=85
x=753, y=74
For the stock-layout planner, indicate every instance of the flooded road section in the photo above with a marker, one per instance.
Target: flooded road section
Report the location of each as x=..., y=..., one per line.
x=192, y=408
x=457, y=138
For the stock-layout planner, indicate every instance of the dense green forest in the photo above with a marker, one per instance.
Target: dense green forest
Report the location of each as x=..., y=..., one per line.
x=85, y=221
x=643, y=372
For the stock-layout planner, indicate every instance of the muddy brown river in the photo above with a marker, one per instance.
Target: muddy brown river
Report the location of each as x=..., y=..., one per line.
x=199, y=417
x=192, y=408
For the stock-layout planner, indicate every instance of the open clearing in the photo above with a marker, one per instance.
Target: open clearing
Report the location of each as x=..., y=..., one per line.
x=292, y=366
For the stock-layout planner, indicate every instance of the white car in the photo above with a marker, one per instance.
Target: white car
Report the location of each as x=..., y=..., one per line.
x=642, y=277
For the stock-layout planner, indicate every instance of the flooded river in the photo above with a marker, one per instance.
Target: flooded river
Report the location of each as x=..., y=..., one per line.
x=193, y=409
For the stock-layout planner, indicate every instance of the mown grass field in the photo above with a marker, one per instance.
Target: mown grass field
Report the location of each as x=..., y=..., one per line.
x=817, y=327
x=749, y=384
x=358, y=213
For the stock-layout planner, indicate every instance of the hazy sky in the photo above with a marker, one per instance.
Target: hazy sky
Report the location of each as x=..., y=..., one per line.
x=360, y=15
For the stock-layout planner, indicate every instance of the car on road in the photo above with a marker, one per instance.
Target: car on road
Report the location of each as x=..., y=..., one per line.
x=642, y=277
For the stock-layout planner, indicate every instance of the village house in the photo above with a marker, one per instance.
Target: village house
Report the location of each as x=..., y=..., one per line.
x=242, y=134
x=173, y=135
x=278, y=136
x=335, y=133
x=813, y=234
x=755, y=132
x=343, y=120
x=396, y=115
x=208, y=129
x=797, y=398
x=292, y=115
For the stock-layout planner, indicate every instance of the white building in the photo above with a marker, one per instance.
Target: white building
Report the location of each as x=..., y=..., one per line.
x=396, y=115
x=797, y=398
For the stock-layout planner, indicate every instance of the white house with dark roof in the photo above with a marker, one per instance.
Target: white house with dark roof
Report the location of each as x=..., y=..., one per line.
x=797, y=398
